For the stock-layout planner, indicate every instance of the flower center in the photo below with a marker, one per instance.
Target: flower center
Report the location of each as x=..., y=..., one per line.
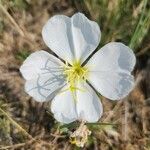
x=75, y=73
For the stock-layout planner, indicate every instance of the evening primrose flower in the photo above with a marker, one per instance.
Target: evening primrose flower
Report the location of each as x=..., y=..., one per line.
x=69, y=81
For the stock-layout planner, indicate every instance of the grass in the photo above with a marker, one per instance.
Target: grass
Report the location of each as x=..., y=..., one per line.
x=121, y=20
x=142, y=27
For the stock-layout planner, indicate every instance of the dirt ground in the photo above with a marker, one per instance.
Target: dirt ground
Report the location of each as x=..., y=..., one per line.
x=20, y=35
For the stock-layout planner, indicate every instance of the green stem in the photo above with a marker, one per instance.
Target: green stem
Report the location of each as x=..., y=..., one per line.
x=133, y=39
x=102, y=124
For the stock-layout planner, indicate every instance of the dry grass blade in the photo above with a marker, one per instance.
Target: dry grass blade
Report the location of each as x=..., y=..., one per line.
x=12, y=146
x=16, y=124
x=143, y=51
x=12, y=20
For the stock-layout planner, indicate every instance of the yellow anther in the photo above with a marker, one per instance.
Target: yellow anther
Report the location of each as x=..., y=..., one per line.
x=73, y=141
x=74, y=74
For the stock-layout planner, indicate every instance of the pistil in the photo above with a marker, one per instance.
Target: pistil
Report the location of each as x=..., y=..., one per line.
x=75, y=73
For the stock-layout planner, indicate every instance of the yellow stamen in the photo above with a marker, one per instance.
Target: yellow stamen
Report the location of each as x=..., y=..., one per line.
x=74, y=74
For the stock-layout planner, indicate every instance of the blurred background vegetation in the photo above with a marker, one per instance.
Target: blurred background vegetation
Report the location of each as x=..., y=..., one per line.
x=21, y=22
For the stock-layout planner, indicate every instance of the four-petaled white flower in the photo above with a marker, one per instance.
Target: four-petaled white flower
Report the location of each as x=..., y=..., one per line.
x=70, y=82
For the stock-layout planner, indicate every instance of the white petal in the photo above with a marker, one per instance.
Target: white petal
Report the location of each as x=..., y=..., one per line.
x=112, y=85
x=37, y=63
x=84, y=104
x=89, y=107
x=45, y=87
x=44, y=75
x=86, y=35
x=63, y=107
x=57, y=34
x=71, y=38
x=110, y=70
x=113, y=57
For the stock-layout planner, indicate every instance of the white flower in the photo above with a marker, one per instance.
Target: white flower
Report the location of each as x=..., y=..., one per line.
x=69, y=83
